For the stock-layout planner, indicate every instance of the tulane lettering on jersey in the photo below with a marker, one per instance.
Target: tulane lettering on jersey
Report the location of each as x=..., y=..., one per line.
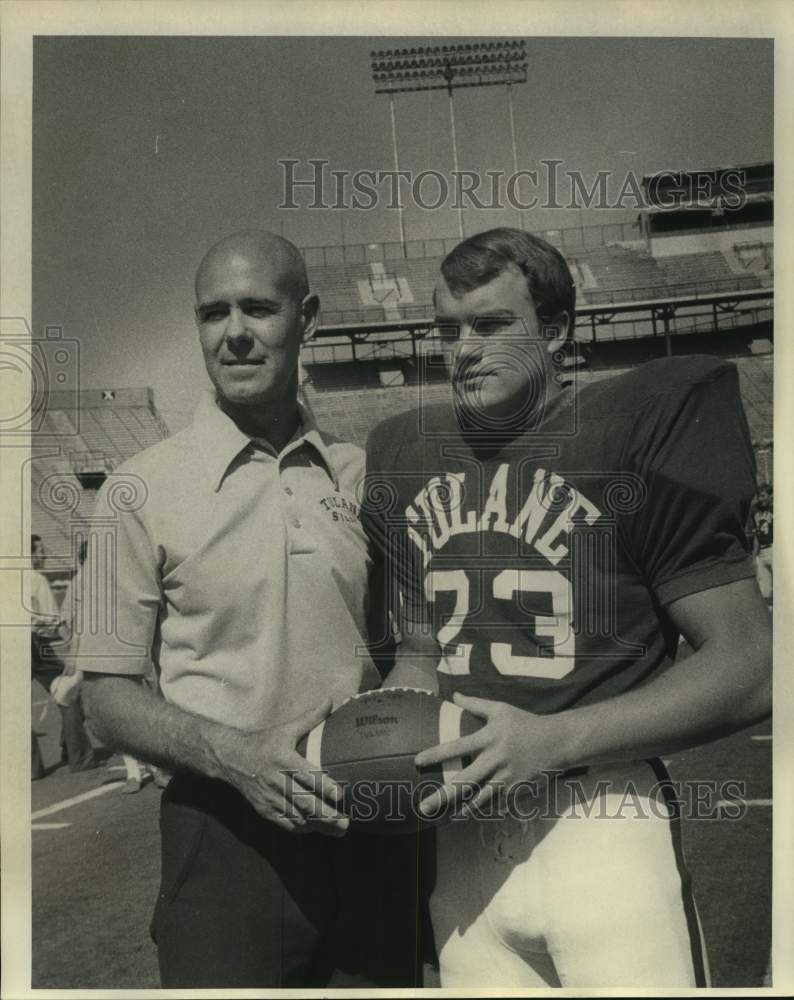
x=552, y=505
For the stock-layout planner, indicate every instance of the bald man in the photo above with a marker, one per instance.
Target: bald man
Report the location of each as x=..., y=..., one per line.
x=237, y=580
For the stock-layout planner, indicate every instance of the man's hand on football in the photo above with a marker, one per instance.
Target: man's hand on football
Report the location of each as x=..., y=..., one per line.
x=509, y=751
x=282, y=786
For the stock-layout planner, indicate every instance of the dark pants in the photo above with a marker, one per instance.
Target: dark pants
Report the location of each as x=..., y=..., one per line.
x=246, y=904
x=76, y=745
x=74, y=738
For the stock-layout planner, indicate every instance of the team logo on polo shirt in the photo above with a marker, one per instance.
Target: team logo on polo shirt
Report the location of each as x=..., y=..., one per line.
x=340, y=508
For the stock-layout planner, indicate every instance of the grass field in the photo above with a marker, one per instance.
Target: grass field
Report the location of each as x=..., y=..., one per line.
x=96, y=871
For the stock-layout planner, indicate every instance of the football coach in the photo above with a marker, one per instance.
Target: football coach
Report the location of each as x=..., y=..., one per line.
x=235, y=580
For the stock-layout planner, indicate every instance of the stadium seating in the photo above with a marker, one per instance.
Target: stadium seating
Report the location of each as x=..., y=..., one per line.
x=757, y=387
x=109, y=427
x=756, y=258
x=616, y=267
x=615, y=272
x=352, y=413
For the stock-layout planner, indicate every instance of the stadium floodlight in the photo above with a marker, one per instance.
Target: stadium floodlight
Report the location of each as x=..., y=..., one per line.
x=449, y=67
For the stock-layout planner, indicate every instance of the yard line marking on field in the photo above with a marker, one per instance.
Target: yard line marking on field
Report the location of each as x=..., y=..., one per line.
x=57, y=806
x=49, y=826
x=764, y=738
x=743, y=802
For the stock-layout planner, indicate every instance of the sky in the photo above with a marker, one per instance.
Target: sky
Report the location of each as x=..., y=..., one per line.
x=146, y=150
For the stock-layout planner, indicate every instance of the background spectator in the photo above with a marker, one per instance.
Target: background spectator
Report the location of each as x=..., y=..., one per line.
x=48, y=629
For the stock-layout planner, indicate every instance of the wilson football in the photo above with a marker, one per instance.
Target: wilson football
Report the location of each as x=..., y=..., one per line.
x=368, y=746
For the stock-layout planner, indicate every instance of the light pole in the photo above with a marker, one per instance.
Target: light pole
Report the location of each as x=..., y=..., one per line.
x=448, y=67
x=633, y=163
x=513, y=143
x=449, y=76
x=397, y=171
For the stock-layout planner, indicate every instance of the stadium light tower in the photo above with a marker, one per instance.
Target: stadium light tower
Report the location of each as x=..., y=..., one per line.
x=448, y=67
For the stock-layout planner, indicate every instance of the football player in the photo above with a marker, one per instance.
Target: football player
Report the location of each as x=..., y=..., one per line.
x=550, y=544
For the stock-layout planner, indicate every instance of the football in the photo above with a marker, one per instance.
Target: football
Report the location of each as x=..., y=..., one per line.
x=368, y=746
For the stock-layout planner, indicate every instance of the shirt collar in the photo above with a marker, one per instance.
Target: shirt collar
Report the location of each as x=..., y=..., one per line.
x=221, y=440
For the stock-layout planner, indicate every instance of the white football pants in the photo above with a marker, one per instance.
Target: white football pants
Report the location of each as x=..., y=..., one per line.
x=590, y=891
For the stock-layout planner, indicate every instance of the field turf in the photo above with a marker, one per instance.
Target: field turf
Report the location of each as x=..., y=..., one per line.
x=96, y=870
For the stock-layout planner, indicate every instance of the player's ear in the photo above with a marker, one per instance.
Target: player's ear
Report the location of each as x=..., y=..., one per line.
x=555, y=331
x=310, y=312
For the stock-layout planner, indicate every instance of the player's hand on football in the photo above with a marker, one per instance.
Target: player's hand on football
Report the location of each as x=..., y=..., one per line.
x=283, y=786
x=509, y=751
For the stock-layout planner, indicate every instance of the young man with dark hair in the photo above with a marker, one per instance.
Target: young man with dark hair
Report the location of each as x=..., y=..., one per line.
x=550, y=543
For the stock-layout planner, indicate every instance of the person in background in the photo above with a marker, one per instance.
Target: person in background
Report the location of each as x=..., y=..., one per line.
x=48, y=630
x=761, y=526
x=66, y=688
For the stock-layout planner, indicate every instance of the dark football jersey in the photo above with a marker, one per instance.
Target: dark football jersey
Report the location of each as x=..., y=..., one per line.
x=544, y=560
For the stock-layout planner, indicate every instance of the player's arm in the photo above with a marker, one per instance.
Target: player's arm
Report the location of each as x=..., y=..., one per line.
x=262, y=765
x=723, y=686
x=417, y=656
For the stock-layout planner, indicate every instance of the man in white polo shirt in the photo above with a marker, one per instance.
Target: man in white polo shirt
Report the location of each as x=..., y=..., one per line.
x=238, y=580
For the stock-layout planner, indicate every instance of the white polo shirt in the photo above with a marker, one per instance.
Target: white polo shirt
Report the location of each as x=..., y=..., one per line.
x=45, y=617
x=241, y=575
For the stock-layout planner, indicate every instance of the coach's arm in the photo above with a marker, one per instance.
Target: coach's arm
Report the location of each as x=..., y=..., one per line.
x=127, y=715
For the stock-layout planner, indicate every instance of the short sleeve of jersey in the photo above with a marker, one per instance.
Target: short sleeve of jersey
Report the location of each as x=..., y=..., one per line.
x=120, y=587
x=691, y=447
x=386, y=527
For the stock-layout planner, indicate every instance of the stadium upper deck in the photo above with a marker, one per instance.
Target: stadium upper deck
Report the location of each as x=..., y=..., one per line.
x=81, y=439
x=377, y=283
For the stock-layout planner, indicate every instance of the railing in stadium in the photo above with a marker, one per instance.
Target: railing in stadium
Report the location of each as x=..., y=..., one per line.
x=694, y=318
x=643, y=293
x=572, y=238
x=679, y=289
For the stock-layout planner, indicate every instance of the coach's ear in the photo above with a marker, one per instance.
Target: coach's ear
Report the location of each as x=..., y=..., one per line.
x=555, y=331
x=310, y=311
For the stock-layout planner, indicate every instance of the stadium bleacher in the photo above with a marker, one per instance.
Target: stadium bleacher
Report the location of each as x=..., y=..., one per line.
x=755, y=257
x=403, y=288
x=79, y=442
x=757, y=387
x=351, y=414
